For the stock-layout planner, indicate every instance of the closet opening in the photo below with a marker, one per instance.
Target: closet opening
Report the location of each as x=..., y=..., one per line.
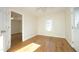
x=16, y=28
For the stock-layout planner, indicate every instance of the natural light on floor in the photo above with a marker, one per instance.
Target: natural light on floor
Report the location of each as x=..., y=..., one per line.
x=29, y=48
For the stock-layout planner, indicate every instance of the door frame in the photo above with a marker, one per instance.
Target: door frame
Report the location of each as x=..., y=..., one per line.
x=21, y=24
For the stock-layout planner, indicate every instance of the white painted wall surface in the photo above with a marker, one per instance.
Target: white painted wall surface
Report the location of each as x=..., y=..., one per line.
x=68, y=22
x=58, y=24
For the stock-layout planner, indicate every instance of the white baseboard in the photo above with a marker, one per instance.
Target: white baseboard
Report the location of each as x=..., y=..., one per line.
x=51, y=35
x=72, y=45
x=28, y=37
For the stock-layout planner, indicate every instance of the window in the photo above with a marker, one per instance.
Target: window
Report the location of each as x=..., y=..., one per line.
x=49, y=25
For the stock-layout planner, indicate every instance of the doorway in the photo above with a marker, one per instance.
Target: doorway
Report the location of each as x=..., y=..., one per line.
x=16, y=28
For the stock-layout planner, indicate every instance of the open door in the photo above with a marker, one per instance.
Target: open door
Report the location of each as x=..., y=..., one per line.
x=4, y=29
x=1, y=35
x=75, y=29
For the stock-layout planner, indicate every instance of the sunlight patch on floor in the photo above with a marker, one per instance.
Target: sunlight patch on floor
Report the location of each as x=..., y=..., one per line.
x=29, y=48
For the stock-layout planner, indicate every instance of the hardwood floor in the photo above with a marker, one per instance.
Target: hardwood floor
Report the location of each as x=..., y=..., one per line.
x=47, y=44
x=15, y=39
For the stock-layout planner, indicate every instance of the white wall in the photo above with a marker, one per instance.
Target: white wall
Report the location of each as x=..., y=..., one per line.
x=29, y=27
x=68, y=25
x=58, y=24
x=28, y=23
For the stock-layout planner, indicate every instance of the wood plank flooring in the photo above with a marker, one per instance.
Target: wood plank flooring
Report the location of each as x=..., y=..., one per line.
x=47, y=44
x=16, y=38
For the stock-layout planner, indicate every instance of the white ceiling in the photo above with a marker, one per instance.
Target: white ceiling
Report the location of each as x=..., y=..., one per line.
x=43, y=10
x=37, y=11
